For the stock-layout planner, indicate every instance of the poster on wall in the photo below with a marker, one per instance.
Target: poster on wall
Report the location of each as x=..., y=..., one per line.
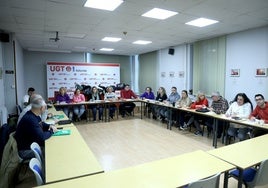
x=68, y=74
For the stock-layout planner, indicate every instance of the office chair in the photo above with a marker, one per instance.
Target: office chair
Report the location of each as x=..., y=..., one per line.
x=212, y=182
x=253, y=177
x=35, y=166
x=37, y=151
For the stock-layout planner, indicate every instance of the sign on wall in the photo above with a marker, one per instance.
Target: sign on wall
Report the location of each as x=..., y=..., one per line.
x=67, y=74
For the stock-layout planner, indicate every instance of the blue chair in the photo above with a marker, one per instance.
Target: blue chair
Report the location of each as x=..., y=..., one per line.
x=36, y=167
x=211, y=182
x=37, y=151
x=253, y=176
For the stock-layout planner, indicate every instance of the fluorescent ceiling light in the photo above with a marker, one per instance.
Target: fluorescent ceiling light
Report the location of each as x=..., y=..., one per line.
x=142, y=42
x=111, y=39
x=51, y=45
x=103, y=4
x=48, y=50
x=107, y=49
x=75, y=35
x=159, y=13
x=80, y=47
x=202, y=22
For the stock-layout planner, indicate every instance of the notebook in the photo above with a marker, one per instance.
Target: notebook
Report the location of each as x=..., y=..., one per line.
x=62, y=132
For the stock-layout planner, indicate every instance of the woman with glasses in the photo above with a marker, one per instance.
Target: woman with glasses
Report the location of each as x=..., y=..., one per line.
x=161, y=96
x=95, y=97
x=240, y=108
x=200, y=102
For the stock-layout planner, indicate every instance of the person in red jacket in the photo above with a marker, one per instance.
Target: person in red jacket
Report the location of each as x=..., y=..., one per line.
x=200, y=102
x=259, y=115
x=127, y=107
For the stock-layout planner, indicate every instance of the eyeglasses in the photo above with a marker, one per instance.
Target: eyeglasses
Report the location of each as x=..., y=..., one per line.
x=258, y=99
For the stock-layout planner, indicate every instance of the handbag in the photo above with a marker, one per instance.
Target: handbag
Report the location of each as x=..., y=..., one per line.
x=202, y=110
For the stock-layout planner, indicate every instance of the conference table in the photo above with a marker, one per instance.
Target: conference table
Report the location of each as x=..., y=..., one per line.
x=244, y=154
x=105, y=103
x=216, y=118
x=68, y=156
x=170, y=172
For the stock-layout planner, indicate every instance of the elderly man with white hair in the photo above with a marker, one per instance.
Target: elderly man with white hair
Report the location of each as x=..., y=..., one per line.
x=31, y=128
x=219, y=105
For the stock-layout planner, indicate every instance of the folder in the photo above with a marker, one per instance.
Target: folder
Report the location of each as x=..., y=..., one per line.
x=62, y=132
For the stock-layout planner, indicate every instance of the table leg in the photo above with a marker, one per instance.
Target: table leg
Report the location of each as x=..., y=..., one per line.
x=226, y=177
x=240, y=178
x=215, y=129
x=142, y=103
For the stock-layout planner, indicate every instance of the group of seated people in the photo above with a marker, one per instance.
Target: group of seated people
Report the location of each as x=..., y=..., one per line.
x=240, y=107
x=125, y=108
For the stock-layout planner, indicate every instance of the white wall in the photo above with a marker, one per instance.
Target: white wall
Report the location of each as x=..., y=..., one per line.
x=2, y=93
x=247, y=51
x=173, y=64
x=35, y=68
x=20, y=73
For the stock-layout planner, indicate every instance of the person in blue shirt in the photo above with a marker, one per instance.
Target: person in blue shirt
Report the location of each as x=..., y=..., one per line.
x=64, y=98
x=148, y=94
x=172, y=99
x=31, y=129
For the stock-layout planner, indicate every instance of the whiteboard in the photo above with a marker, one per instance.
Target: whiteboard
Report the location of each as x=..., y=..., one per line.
x=68, y=74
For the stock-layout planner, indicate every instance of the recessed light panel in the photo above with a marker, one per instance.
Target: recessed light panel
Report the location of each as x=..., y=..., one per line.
x=107, y=49
x=202, y=22
x=111, y=39
x=103, y=4
x=142, y=42
x=158, y=13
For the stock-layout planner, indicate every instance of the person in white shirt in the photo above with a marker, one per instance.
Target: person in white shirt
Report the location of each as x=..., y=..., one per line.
x=110, y=96
x=26, y=98
x=240, y=108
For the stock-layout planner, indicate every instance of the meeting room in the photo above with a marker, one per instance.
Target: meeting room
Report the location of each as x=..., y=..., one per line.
x=133, y=94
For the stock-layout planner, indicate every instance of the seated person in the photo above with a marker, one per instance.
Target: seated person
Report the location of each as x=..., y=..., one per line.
x=110, y=96
x=242, y=108
x=148, y=94
x=174, y=96
x=32, y=129
x=44, y=115
x=26, y=98
x=95, y=96
x=63, y=98
x=161, y=96
x=183, y=102
x=200, y=102
x=78, y=109
x=219, y=106
x=127, y=107
x=259, y=113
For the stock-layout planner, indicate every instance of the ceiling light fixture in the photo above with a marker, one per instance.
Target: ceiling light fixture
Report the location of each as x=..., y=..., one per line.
x=202, y=22
x=111, y=39
x=103, y=4
x=48, y=50
x=107, y=49
x=158, y=13
x=143, y=42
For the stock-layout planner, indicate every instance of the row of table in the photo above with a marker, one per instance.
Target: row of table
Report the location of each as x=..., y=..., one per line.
x=69, y=158
x=210, y=114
